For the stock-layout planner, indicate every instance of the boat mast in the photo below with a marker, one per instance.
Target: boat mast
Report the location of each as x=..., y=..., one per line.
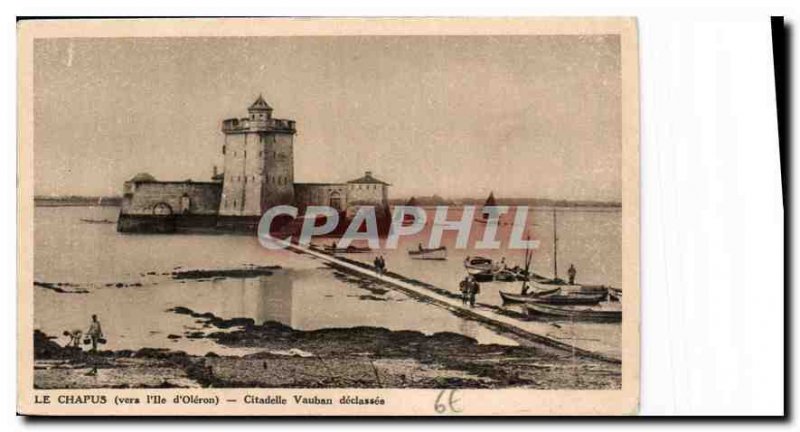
x=555, y=246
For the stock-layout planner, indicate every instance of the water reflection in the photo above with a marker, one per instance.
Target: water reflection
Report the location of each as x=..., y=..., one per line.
x=263, y=298
x=314, y=299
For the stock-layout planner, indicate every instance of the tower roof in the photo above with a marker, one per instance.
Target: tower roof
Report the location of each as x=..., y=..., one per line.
x=260, y=105
x=143, y=177
x=368, y=179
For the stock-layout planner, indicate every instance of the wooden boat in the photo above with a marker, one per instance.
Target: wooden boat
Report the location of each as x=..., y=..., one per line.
x=520, y=274
x=566, y=288
x=539, y=310
x=615, y=294
x=347, y=250
x=524, y=298
x=589, y=289
x=484, y=277
x=570, y=299
x=97, y=221
x=505, y=275
x=479, y=265
x=438, y=254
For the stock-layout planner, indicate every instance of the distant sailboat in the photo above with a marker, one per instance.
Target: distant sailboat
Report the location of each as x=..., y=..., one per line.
x=407, y=218
x=490, y=202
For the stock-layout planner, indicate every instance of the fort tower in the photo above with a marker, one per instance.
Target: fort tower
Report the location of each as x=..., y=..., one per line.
x=259, y=162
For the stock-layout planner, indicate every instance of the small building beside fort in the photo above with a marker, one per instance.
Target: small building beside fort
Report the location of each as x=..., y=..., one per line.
x=258, y=173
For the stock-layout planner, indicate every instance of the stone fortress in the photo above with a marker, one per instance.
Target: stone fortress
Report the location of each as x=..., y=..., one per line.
x=258, y=173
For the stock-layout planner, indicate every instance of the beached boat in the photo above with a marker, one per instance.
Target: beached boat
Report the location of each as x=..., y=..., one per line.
x=347, y=250
x=436, y=254
x=97, y=221
x=505, y=275
x=555, y=296
x=479, y=266
x=615, y=294
x=571, y=299
x=573, y=313
x=567, y=288
x=524, y=298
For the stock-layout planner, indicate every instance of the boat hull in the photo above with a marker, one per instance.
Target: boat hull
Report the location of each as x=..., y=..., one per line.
x=520, y=298
x=538, y=310
x=569, y=289
x=438, y=254
x=571, y=299
x=349, y=250
x=480, y=266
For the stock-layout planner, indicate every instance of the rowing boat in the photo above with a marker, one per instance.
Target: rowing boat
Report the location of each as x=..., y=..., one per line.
x=97, y=221
x=505, y=275
x=347, y=250
x=570, y=299
x=524, y=298
x=572, y=313
x=479, y=266
x=567, y=288
x=438, y=254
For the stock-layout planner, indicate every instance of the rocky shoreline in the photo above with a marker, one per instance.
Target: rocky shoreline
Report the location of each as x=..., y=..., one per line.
x=283, y=357
x=357, y=357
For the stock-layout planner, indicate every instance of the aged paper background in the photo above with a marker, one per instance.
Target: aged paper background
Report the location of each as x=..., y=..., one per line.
x=399, y=402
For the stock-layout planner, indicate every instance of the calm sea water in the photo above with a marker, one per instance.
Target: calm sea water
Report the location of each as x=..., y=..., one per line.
x=305, y=294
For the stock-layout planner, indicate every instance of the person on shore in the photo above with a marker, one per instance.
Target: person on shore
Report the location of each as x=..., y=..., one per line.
x=74, y=338
x=95, y=332
x=572, y=272
x=383, y=265
x=380, y=265
x=474, y=290
x=463, y=287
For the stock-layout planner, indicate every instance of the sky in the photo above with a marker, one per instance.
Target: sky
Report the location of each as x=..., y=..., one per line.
x=458, y=116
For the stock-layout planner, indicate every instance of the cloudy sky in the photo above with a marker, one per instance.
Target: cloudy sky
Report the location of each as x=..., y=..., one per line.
x=524, y=116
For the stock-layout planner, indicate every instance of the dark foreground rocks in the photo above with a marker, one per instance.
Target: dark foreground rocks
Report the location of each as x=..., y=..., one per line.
x=247, y=272
x=357, y=357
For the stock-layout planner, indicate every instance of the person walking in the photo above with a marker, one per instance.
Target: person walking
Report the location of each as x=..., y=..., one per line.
x=474, y=290
x=463, y=286
x=95, y=332
x=572, y=272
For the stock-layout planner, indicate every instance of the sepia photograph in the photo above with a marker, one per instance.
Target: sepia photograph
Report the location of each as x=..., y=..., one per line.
x=329, y=217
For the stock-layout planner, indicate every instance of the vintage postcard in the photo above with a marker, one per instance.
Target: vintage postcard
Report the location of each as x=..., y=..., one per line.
x=349, y=217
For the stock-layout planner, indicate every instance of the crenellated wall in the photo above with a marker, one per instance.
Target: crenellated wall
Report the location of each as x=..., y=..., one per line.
x=367, y=194
x=258, y=153
x=193, y=198
x=320, y=194
x=258, y=165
